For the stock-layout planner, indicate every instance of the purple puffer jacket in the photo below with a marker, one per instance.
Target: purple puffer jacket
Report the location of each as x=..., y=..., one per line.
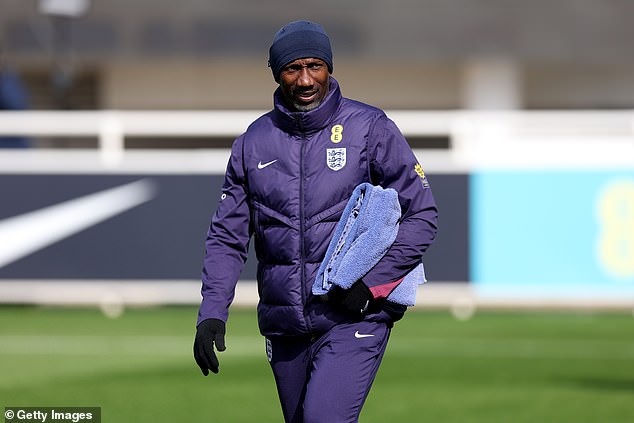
x=287, y=182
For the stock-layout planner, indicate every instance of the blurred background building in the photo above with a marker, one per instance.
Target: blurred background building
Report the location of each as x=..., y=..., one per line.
x=406, y=54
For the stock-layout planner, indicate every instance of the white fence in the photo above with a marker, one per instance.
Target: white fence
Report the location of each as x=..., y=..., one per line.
x=508, y=139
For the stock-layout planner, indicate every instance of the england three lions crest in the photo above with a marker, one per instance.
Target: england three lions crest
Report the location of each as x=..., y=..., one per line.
x=336, y=158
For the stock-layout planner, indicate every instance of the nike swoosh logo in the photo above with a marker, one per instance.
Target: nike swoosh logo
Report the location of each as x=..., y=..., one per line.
x=263, y=165
x=27, y=233
x=361, y=335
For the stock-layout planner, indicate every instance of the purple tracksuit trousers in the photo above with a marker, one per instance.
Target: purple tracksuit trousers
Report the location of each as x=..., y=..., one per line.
x=327, y=379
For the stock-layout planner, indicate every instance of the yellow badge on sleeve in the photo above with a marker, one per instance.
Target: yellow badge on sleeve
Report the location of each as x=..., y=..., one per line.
x=421, y=173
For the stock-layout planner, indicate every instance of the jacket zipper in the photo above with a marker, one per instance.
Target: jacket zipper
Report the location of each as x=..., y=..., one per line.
x=302, y=253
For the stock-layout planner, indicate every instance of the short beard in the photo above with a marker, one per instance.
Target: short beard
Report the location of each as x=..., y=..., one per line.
x=306, y=107
x=300, y=107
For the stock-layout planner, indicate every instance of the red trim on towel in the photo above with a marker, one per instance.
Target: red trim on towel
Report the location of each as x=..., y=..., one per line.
x=382, y=291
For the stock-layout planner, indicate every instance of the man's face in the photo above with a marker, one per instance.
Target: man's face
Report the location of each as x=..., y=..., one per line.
x=304, y=83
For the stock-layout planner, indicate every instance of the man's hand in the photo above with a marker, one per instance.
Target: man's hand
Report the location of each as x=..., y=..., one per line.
x=210, y=332
x=354, y=300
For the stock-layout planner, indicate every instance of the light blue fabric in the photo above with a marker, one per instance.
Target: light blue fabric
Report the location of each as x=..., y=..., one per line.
x=366, y=230
x=405, y=292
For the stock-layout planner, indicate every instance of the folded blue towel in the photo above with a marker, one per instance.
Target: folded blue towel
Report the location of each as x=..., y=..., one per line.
x=366, y=230
x=405, y=292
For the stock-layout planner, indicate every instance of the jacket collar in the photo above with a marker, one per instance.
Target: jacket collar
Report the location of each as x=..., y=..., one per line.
x=306, y=122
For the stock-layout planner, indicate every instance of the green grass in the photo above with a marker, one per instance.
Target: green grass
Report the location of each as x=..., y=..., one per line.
x=497, y=367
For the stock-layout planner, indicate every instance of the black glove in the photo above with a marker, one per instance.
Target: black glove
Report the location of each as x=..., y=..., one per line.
x=356, y=300
x=209, y=332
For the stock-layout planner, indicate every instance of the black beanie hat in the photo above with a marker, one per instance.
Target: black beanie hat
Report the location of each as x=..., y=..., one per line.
x=298, y=40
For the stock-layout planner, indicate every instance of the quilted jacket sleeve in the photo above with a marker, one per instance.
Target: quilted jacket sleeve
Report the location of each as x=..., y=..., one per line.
x=393, y=165
x=227, y=241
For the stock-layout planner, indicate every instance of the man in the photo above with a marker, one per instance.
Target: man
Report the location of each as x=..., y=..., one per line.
x=13, y=96
x=288, y=180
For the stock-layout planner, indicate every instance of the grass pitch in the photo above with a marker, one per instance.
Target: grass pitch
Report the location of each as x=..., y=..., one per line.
x=496, y=367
